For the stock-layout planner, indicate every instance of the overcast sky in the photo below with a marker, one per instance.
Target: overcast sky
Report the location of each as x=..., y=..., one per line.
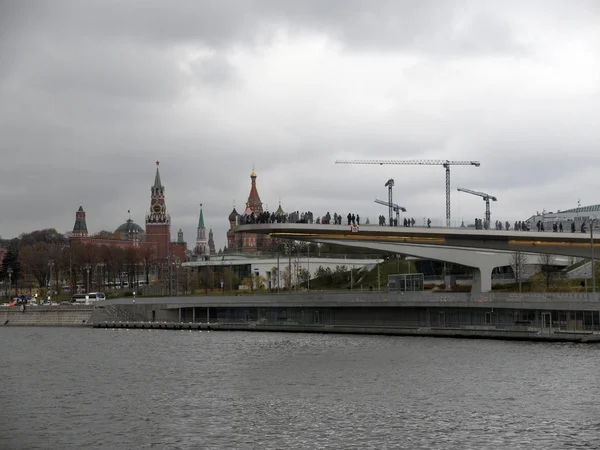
x=93, y=92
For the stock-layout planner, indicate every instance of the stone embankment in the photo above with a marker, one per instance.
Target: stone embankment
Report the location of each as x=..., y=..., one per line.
x=49, y=316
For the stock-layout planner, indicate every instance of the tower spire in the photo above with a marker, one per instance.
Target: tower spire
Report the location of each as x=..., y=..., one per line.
x=201, y=219
x=254, y=202
x=157, y=183
x=80, y=227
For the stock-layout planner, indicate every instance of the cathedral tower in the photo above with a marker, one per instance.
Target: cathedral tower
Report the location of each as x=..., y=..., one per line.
x=158, y=222
x=254, y=202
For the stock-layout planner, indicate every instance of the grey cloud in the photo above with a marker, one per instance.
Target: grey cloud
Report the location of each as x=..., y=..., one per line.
x=427, y=25
x=87, y=93
x=215, y=70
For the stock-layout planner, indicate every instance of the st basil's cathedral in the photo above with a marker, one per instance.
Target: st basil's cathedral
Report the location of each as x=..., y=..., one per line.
x=238, y=242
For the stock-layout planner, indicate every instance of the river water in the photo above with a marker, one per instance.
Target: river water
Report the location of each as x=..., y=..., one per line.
x=76, y=388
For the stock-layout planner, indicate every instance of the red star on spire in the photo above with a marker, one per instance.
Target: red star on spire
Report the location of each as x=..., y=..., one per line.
x=157, y=163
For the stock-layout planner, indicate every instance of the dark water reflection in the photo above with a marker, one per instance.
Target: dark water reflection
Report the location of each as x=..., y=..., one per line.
x=120, y=389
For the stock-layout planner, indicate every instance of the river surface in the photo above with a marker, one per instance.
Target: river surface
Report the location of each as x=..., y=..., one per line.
x=76, y=388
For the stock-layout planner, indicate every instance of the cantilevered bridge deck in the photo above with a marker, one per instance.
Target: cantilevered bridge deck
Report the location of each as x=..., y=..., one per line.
x=554, y=243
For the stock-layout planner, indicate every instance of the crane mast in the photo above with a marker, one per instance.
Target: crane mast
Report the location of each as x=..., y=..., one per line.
x=390, y=184
x=419, y=162
x=486, y=197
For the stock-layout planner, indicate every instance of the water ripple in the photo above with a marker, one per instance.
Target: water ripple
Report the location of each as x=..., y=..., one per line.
x=122, y=389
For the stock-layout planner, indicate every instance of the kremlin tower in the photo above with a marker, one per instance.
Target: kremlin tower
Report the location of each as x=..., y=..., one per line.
x=158, y=225
x=158, y=222
x=201, y=241
x=156, y=238
x=80, y=227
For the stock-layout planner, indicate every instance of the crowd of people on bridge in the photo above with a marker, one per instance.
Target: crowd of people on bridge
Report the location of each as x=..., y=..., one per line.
x=525, y=225
x=354, y=220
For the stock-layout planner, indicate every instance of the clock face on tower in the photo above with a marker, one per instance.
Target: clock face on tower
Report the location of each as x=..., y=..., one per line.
x=156, y=208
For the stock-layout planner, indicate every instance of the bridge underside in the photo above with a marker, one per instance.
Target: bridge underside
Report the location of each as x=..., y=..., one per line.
x=482, y=263
x=482, y=250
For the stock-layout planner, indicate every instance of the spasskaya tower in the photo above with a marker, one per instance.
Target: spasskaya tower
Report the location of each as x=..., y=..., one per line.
x=158, y=222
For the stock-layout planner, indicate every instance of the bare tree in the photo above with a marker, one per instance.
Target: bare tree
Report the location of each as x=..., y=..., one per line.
x=548, y=269
x=517, y=263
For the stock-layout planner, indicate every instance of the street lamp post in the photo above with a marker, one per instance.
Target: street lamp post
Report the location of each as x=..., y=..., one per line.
x=9, y=271
x=592, y=223
x=50, y=264
x=308, y=264
x=176, y=277
x=87, y=273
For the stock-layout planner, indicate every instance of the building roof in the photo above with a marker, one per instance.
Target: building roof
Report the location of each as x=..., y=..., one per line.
x=253, y=198
x=591, y=208
x=279, y=211
x=201, y=219
x=129, y=227
x=157, y=182
x=234, y=215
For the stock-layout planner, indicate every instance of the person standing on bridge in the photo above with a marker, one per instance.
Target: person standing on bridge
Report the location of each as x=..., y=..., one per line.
x=357, y=219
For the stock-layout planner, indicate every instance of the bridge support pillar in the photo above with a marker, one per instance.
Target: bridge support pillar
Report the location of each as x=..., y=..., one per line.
x=482, y=279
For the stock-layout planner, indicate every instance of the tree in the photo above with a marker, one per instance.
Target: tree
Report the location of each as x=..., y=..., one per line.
x=105, y=235
x=205, y=279
x=286, y=278
x=230, y=280
x=36, y=260
x=303, y=276
x=324, y=273
x=274, y=277
x=260, y=282
x=548, y=269
x=517, y=263
x=11, y=261
x=147, y=255
x=48, y=236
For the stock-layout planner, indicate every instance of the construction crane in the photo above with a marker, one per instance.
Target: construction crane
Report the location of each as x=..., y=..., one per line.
x=486, y=198
x=396, y=208
x=390, y=184
x=420, y=162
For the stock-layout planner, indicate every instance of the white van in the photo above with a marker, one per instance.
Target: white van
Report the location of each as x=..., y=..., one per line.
x=87, y=299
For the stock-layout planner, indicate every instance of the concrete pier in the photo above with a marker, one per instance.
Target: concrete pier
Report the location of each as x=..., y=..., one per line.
x=483, y=332
x=536, y=317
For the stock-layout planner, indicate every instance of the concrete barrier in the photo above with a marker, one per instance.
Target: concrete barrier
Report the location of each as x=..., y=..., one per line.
x=50, y=317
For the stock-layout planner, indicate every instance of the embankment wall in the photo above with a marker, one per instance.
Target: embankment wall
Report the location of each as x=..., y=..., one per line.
x=49, y=317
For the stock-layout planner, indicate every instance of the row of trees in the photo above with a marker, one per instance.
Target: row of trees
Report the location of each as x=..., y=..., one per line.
x=549, y=273
x=46, y=259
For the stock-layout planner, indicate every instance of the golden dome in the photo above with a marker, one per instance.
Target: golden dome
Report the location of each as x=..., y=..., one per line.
x=253, y=174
